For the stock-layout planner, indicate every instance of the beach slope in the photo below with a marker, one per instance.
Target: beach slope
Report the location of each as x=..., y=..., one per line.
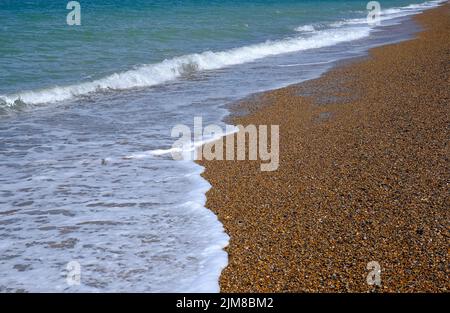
x=363, y=177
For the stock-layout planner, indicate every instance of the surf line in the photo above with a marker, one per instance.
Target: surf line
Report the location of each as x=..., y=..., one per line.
x=208, y=143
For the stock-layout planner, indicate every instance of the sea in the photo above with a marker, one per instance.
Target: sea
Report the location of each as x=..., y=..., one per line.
x=90, y=198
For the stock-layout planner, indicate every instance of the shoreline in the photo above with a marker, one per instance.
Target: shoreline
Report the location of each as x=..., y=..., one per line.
x=353, y=149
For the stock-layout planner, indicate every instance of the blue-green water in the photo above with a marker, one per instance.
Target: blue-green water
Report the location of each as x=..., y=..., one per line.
x=38, y=49
x=112, y=89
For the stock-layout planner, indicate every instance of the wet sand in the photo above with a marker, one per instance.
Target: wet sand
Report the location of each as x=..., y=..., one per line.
x=363, y=176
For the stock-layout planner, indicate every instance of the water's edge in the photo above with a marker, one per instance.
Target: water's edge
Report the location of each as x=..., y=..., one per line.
x=91, y=178
x=238, y=108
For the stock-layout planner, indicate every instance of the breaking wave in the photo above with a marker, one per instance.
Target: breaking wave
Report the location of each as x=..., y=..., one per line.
x=170, y=69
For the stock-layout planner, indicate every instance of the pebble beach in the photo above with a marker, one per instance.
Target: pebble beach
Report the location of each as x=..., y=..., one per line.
x=363, y=176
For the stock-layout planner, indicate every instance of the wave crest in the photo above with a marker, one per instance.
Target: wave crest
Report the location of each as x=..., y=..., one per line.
x=170, y=69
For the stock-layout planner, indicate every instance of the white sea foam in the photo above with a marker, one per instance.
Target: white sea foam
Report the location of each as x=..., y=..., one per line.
x=391, y=13
x=305, y=28
x=187, y=151
x=154, y=74
x=170, y=69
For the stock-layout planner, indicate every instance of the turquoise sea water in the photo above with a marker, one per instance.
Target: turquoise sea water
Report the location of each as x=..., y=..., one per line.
x=111, y=89
x=38, y=49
